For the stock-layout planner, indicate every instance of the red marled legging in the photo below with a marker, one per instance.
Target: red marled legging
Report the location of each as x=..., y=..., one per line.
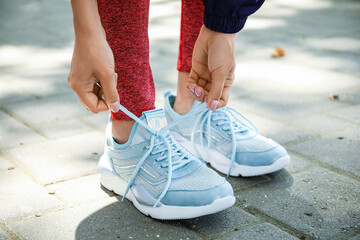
x=126, y=26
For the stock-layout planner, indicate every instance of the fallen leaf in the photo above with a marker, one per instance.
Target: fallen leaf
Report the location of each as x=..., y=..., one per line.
x=334, y=97
x=279, y=52
x=51, y=191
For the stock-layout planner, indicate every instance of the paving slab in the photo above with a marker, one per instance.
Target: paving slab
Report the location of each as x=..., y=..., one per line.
x=220, y=223
x=245, y=182
x=80, y=190
x=258, y=232
x=21, y=197
x=287, y=105
x=98, y=121
x=285, y=75
x=10, y=94
x=16, y=134
x=5, y=165
x=62, y=128
x=297, y=164
x=317, y=203
x=352, y=97
x=3, y=114
x=105, y=219
x=47, y=110
x=351, y=113
x=340, y=150
x=322, y=124
x=281, y=132
x=61, y=159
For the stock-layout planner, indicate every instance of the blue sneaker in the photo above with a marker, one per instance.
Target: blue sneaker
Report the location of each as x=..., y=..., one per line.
x=220, y=138
x=161, y=178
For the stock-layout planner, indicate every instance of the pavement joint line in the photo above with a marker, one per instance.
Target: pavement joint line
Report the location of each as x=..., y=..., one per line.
x=52, y=211
x=244, y=227
x=285, y=122
x=217, y=235
x=46, y=140
x=90, y=173
x=9, y=232
x=21, y=168
x=352, y=233
x=34, y=179
x=290, y=143
x=270, y=179
x=310, y=138
x=283, y=226
x=17, y=118
x=329, y=167
x=19, y=89
x=344, y=119
x=318, y=135
x=90, y=125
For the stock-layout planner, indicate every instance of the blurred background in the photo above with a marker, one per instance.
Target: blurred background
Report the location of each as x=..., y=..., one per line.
x=297, y=79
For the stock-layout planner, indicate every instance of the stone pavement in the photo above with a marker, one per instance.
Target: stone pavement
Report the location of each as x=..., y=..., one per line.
x=49, y=145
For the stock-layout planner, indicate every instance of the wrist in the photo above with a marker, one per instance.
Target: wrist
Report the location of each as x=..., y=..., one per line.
x=209, y=32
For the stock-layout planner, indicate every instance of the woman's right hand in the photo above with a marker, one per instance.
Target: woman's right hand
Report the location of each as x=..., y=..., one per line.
x=92, y=74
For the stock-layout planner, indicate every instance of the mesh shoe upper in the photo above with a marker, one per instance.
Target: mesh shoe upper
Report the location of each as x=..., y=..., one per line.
x=192, y=182
x=251, y=149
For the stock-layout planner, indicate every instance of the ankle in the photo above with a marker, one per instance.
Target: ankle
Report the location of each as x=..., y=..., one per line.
x=183, y=105
x=184, y=100
x=121, y=130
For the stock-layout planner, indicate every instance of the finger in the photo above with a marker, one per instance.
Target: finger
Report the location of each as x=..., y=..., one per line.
x=217, y=86
x=92, y=102
x=224, y=97
x=193, y=77
x=108, y=85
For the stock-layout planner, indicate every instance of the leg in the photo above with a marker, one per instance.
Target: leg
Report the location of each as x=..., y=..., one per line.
x=191, y=21
x=126, y=26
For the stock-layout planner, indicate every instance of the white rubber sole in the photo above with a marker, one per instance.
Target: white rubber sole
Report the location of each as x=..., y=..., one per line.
x=111, y=181
x=222, y=163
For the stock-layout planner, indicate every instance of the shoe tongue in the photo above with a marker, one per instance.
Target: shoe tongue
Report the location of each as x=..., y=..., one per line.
x=155, y=119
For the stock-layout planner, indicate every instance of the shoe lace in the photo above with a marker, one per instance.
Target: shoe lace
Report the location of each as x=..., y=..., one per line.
x=223, y=117
x=161, y=142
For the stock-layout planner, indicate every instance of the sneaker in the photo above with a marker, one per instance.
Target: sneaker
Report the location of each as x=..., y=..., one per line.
x=161, y=178
x=231, y=146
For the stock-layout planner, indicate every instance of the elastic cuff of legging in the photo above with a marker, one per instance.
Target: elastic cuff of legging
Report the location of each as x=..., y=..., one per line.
x=224, y=24
x=183, y=68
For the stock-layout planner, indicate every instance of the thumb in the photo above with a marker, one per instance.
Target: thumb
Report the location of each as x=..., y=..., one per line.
x=108, y=85
x=216, y=89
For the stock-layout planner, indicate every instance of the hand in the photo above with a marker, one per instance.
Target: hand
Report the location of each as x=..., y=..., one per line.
x=92, y=75
x=213, y=65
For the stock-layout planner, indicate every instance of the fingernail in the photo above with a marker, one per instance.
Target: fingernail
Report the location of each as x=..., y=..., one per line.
x=115, y=107
x=192, y=89
x=197, y=92
x=213, y=105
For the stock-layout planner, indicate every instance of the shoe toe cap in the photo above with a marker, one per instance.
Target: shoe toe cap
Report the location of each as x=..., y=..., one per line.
x=197, y=197
x=261, y=158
